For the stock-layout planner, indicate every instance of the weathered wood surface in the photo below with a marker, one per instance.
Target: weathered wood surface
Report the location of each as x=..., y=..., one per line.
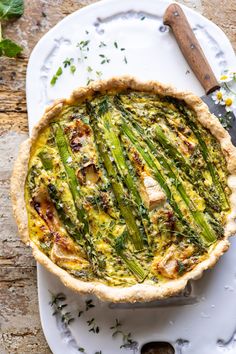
x=20, y=329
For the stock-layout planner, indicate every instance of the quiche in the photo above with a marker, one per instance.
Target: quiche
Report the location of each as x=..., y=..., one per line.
x=126, y=190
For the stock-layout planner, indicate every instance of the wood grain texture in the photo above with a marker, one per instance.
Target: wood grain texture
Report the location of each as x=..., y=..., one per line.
x=190, y=47
x=20, y=328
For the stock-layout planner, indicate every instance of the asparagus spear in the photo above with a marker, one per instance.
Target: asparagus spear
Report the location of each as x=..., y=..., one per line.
x=65, y=155
x=70, y=227
x=128, y=259
x=206, y=230
x=163, y=140
x=113, y=142
x=133, y=266
x=118, y=189
x=211, y=198
x=147, y=157
x=46, y=160
x=205, y=153
x=63, y=149
x=193, y=177
x=168, y=114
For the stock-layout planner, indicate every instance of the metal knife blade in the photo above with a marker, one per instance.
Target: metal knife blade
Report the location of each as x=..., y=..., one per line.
x=193, y=53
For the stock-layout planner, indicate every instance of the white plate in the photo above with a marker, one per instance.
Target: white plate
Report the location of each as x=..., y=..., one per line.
x=151, y=53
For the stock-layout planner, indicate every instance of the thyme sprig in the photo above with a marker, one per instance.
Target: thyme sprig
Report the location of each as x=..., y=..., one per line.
x=127, y=340
x=83, y=47
x=57, y=304
x=88, y=305
x=68, y=62
x=93, y=326
x=105, y=59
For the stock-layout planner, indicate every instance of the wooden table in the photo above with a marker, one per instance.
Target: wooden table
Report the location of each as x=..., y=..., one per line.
x=20, y=328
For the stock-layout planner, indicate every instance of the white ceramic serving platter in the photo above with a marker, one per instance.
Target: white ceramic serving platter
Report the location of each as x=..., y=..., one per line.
x=206, y=324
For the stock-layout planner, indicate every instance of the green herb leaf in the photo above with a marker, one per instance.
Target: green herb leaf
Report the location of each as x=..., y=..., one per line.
x=80, y=313
x=89, y=80
x=59, y=71
x=55, y=77
x=72, y=69
x=68, y=62
x=11, y=8
x=9, y=48
x=102, y=44
x=53, y=80
x=89, y=304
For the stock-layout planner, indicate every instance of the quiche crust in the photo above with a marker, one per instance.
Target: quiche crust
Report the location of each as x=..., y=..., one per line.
x=139, y=292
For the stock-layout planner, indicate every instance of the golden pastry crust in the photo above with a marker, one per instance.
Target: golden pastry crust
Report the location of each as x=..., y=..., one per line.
x=138, y=292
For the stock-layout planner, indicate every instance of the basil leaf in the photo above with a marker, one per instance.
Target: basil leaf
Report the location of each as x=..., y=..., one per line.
x=9, y=49
x=11, y=8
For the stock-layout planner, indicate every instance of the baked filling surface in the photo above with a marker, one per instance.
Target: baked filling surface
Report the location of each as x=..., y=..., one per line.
x=126, y=188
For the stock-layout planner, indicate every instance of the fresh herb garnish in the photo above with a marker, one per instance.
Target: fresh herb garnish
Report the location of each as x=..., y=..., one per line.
x=83, y=46
x=89, y=79
x=68, y=62
x=93, y=327
x=125, y=60
x=89, y=69
x=59, y=71
x=80, y=313
x=99, y=74
x=116, y=45
x=127, y=340
x=104, y=59
x=142, y=18
x=72, y=69
x=102, y=44
x=10, y=10
x=56, y=76
x=89, y=304
x=58, y=306
x=181, y=267
x=122, y=49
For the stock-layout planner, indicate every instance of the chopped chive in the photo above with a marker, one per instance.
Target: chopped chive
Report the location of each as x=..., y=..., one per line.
x=59, y=71
x=72, y=69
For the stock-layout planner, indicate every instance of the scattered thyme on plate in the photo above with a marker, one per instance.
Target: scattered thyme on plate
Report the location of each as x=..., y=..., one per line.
x=93, y=327
x=84, y=47
x=127, y=340
x=58, y=305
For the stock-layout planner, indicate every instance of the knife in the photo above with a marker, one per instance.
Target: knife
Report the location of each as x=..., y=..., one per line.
x=193, y=53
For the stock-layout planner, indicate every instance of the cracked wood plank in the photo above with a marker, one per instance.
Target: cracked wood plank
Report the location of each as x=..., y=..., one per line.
x=20, y=328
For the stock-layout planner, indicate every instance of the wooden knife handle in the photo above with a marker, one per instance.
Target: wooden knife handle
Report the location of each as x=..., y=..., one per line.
x=190, y=47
